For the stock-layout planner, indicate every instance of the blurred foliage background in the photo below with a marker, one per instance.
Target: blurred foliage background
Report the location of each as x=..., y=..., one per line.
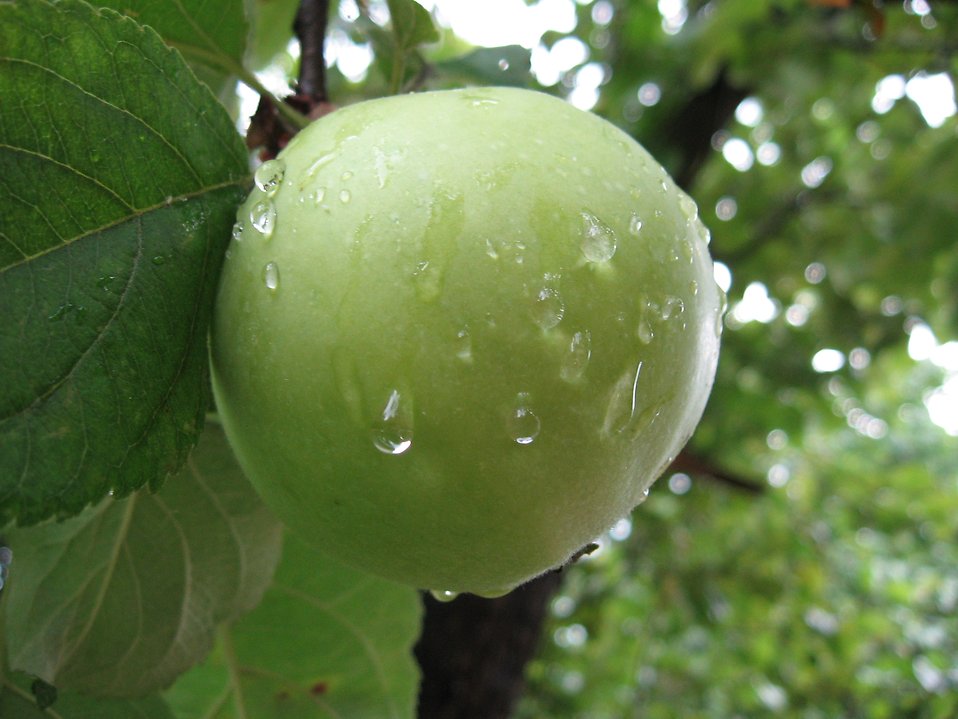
x=819, y=139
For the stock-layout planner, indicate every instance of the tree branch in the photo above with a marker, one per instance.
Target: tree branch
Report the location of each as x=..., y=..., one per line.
x=473, y=651
x=310, y=25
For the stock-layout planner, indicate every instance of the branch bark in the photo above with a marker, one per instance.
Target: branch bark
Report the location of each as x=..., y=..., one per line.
x=310, y=25
x=473, y=651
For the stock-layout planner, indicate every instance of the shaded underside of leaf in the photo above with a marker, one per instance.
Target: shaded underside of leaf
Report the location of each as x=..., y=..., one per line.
x=326, y=641
x=16, y=702
x=120, y=173
x=124, y=597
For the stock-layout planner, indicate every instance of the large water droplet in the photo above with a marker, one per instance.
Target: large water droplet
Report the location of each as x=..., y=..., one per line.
x=443, y=595
x=271, y=276
x=622, y=402
x=392, y=434
x=269, y=175
x=523, y=424
x=464, y=345
x=598, y=239
x=263, y=218
x=548, y=308
x=577, y=356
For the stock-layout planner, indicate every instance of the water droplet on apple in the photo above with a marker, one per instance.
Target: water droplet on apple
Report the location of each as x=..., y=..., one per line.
x=321, y=161
x=645, y=332
x=523, y=423
x=263, y=218
x=635, y=224
x=237, y=233
x=720, y=311
x=319, y=195
x=548, y=308
x=347, y=175
x=464, y=345
x=428, y=280
x=269, y=175
x=694, y=288
x=577, y=356
x=688, y=207
x=672, y=307
x=271, y=276
x=344, y=196
x=622, y=402
x=687, y=250
x=392, y=434
x=493, y=593
x=443, y=595
x=598, y=239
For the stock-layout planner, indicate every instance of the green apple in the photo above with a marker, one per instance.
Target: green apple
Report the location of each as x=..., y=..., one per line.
x=458, y=334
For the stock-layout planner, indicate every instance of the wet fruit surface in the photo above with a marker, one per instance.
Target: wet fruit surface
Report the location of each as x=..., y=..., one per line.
x=460, y=333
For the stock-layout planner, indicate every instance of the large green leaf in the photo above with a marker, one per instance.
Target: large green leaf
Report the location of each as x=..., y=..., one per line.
x=17, y=702
x=326, y=641
x=121, y=599
x=211, y=34
x=119, y=174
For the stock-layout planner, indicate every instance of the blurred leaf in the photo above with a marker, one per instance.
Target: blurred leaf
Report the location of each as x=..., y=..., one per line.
x=121, y=174
x=124, y=597
x=507, y=65
x=272, y=22
x=412, y=24
x=326, y=641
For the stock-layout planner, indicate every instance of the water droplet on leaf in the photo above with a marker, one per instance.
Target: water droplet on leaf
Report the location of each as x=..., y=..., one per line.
x=443, y=595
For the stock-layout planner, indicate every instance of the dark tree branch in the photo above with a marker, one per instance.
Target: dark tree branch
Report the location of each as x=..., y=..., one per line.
x=473, y=651
x=692, y=128
x=703, y=467
x=310, y=27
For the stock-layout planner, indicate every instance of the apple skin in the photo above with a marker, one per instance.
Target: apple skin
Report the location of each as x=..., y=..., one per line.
x=459, y=334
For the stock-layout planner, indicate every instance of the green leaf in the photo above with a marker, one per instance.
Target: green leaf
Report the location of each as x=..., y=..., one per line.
x=412, y=24
x=121, y=599
x=326, y=641
x=506, y=65
x=17, y=702
x=120, y=174
x=209, y=33
x=272, y=29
